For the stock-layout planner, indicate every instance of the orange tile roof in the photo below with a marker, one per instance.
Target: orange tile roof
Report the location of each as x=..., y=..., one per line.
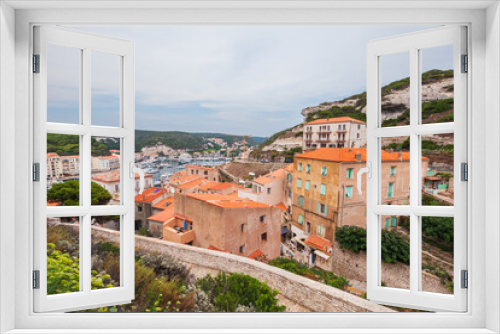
x=281, y=206
x=208, y=185
x=49, y=203
x=227, y=201
x=163, y=216
x=192, y=184
x=318, y=242
x=179, y=174
x=349, y=155
x=268, y=178
x=149, y=195
x=217, y=249
x=289, y=168
x=257, y=253
x=184, y=179
x=163, y=203
x=335, y=120
x=52, y=154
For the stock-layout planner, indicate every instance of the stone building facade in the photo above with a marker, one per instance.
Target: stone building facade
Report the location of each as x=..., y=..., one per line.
x=334, y=132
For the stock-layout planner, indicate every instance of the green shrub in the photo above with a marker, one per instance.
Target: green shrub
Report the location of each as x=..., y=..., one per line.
x=439, y=227
x=394, y=246
x=230, y=291
x=290, y=265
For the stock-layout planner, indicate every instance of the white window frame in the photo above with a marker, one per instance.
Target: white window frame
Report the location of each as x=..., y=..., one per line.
x=412, y=44
x=484, y=101
x=124, y=51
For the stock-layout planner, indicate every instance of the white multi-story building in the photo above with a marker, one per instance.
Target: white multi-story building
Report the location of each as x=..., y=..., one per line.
x=106, y=163
x=334, y=132
x=70, y=164
x=54, y=166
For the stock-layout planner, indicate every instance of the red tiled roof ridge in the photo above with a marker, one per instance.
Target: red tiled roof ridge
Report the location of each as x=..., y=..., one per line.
x=349, y=155
x=334, y=120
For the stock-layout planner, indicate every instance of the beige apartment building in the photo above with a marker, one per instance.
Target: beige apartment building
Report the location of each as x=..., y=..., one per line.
x=325, y=188
x=54, y=166
x=225, y=222
x=208, y=173
x=112, y=183
x=71, y=164
x=334, y=132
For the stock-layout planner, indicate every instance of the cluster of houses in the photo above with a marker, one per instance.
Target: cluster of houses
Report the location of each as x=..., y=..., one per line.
x=293, y=211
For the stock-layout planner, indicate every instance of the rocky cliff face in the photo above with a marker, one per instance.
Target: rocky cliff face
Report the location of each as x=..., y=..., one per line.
x=437, y=85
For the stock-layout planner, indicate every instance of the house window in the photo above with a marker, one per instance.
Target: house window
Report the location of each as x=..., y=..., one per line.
x=300, y=220
x=300, y=200
x=321, y=230
x=390, y=190
x=243, y=226
x=139, y=208
x=348, y=192
x=308, y=227
x=268, y=191
x=350, y=173
x=299, y=183
x=299, y=167
x=289, y=178
x=262, y=219
x=242, y=249
x=323, y=171
x=321, y=208
x=322, y=189
x=386, y=223
x=393, y=170
x=394, y=222
x=308, y=168
x=263, y=236
x=308, y=185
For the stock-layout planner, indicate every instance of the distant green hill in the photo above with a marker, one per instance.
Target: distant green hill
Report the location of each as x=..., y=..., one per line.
x=230, y=139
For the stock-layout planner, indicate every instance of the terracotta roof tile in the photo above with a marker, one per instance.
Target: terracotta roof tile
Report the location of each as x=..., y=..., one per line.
x=217, y=249
x=149, y=195
x=318, y=242
x=335, y=120
x=192, y=184
x=227, y=201
x=257, y=253
x=281, y=206
x=114, y=176
x=349, y=155
x=268, y=178
x=200, y=167
x=163, y=216
x=163, y=203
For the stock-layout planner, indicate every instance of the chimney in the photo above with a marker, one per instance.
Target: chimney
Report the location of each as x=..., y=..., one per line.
x=357, y=157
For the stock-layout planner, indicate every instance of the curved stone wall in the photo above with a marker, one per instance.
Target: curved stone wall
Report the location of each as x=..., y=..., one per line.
x=310, y=294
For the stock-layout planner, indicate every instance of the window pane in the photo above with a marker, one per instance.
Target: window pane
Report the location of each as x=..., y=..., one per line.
x=106, y=86
x=63, y=255
x=437, y=254
x=437, y=84
x=395, y=92
x=63, y=170
x=395, y=250
x=105, y=252
x=395, y=156
x=106, y=178
x=438, y=169
x=63, y=84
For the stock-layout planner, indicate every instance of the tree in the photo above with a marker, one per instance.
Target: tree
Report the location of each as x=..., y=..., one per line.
x=68, y=193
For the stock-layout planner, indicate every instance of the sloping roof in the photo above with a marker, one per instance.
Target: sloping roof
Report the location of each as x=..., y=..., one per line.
x=349, y=155
x=257, y=253
x=192, y=184
x=212, y=185
x=335, y=120
x=281, y=206
x=268, y=178
x=50, y=203
x=318, y=242
x=149, y=195
x=227, y=201
x=217, y=249
x=289, y=168
x=164, y=215
x=52, y=154
x=163, y=203
x=107, y=157
x=184, y=179
x=208, y=185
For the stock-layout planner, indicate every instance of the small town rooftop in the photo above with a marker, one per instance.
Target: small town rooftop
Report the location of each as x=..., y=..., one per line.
x=335, y=120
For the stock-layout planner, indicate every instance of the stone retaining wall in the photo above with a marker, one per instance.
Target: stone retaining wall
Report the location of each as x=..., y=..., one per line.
x=310, y=294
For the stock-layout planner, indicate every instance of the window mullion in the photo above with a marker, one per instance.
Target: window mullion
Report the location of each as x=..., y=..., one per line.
x=415, y=168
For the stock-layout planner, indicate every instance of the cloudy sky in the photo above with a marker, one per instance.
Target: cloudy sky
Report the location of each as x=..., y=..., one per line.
x=241, y=80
